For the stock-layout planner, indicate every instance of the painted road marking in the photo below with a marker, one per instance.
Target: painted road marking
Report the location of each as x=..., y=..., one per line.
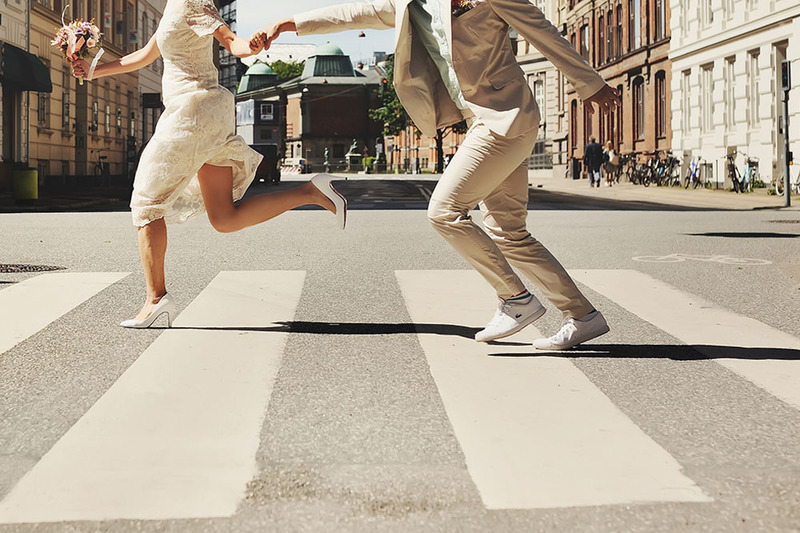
x=29, y=306
x=176, y=435
x=535, y=432
x=705, y=326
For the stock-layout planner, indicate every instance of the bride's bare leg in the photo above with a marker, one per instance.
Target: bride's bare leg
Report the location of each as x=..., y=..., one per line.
x=153, y=249
x=216, y=184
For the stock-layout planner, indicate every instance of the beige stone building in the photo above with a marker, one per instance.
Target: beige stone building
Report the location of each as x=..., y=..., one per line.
x=75, y=125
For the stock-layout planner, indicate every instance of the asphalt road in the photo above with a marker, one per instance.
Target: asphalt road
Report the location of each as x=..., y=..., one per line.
x=363, y=428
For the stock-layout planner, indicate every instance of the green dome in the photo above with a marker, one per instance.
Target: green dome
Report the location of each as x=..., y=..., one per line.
x=259, y=69
x=328, y=49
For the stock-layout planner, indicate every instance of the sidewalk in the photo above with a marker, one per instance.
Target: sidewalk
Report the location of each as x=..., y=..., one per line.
x=105, y=199
x=674, y=196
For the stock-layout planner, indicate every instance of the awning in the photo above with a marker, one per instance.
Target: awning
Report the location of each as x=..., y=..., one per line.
x=23, y=70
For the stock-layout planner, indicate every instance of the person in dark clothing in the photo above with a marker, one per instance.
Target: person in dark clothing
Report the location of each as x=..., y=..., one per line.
x=593, y=160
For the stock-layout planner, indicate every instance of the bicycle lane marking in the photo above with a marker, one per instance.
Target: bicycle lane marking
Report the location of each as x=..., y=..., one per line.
x=535, y=431
x=31, y=305
x=175, y=436
x=706, y=326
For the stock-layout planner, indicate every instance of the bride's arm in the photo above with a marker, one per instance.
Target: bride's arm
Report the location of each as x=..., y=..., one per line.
x=133, y=61
x=233, y=43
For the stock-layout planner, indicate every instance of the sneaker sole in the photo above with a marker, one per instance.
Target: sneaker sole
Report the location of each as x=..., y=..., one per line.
x=522, y=325
x=568, y=346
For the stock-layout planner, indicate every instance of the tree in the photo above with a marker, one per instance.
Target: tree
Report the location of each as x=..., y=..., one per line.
x=391, y=114
x=286, y=70
x=458, y=127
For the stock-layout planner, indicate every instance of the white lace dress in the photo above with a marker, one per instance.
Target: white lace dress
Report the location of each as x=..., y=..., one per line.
x=197, y=126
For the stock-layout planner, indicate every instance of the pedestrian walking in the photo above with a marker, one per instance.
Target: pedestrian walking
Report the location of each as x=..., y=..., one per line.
x=593, y=160
x=195, y=162
x=453, y=62
x=611, y=164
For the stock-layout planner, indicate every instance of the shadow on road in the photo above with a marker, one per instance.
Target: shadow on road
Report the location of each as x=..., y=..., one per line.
x=676, y=352
x=746, y=235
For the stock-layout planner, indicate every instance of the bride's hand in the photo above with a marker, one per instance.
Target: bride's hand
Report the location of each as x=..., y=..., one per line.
x=80, y=68
x=265, y=37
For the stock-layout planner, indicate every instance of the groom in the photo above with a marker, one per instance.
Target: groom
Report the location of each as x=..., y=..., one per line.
x=453, y=61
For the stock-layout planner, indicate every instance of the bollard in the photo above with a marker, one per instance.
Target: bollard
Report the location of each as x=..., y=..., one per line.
x=25, y=185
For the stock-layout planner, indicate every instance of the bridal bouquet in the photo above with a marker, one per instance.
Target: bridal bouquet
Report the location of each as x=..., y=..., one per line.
x=76, y=39
x=459, y=7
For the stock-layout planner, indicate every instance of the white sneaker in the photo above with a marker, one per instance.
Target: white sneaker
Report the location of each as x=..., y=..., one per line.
x=510, y=317
x=574, y=332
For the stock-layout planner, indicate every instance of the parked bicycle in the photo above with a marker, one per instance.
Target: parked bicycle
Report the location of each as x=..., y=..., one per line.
x=101, y=167
x=665, y=169
x=794, y=185
x=693, y=174
x=737, y=179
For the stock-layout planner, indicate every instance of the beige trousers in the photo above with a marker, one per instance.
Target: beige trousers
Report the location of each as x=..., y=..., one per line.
x=486, y=171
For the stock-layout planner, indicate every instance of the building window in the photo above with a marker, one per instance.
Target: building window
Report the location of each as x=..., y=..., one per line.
x=730, y=92
x=707, y=91
x=706, y=12
x=95, y=117
x=634, y=24
x=661, y=19
x=107, y=121
x=610, y=34
x=601, y=40
x=588, y=130
x=65, y=88
x=686, y=101
x=131, y=116
x=43, y=109
x=573, y=125
x=661, y=104
x=119, y=121
x=618, y=112
x=754, y=99
x=585, y=41
x=266, y=112
x=638, y=108
x=619, y=32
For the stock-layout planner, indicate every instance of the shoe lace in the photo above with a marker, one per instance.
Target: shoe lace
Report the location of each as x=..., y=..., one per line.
x=566, y=331
x=503, y=308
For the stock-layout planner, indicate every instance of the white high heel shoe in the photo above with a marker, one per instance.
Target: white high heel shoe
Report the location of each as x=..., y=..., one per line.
x=323, y=183
x=165, y=305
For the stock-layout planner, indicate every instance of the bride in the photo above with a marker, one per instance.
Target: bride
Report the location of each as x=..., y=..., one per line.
x=194, y=162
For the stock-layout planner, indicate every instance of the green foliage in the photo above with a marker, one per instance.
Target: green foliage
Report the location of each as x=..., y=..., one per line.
x=391, y=114
x=286, y=70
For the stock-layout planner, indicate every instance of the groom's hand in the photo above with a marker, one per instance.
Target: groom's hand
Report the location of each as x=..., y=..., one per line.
x=265, y=37
x=607, y=99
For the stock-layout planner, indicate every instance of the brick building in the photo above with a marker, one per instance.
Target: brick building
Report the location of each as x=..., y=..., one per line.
x=627, y=42
x=325, y=108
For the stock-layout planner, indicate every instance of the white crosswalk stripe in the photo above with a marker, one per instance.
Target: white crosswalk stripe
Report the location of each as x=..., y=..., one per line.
x=176, y=435
x=535, y=431
x=29, y=306
x=704, y=325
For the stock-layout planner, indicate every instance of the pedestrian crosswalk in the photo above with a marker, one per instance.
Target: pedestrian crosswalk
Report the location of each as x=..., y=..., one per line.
x=176, y=435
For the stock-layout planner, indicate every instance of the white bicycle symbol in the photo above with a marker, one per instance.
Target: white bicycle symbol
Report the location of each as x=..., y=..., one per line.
x=679, y=258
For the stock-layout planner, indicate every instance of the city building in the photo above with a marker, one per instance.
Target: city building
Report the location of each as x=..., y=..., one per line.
x=627, y=42
x=231, y=68
x=286, y=52
x=79, y=128
x=726, y=82
x=149, y=97
x=320, y=112
x=22, y=77
x=550, y=155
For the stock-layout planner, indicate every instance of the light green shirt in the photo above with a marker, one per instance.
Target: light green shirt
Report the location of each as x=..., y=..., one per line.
x=427, y=17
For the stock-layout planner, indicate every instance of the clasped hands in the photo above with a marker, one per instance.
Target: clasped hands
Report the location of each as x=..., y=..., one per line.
x=262, y=39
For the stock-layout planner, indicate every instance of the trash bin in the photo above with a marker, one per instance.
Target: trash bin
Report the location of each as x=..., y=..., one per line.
x=576, y=168
x=25, y=185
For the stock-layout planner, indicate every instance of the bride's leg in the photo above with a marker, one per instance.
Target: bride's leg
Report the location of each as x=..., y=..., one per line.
x=153, y=249
x=216, y=184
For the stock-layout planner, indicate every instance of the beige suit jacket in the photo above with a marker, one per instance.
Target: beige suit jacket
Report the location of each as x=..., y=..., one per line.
x=492, y=82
